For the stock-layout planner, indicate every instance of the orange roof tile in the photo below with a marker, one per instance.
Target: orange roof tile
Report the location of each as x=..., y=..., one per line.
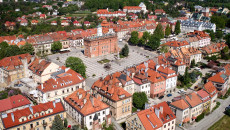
x=9, y=123
x=84, y=102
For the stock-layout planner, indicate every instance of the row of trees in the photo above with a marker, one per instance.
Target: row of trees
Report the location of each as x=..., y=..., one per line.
x=7, y=50
x=153, y=40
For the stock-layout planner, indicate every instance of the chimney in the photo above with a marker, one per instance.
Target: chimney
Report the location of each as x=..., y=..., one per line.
x=157, y=112
x=91, y=99
x=161, y=109
x=84, y=101
x=146, y=74
x=54, y=104
x=79, y=96
x=42, y=86
x=12, y=116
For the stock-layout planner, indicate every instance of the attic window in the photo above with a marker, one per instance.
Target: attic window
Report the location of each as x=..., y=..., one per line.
x=70, y=81
x=122, y=96
x=62, y=84
x=54, y=86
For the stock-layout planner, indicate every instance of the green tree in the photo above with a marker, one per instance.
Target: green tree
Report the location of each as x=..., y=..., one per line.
x=219, y=21
x=27, y=48
x=177, y=28
x=154, y=42
x=77, y=65
x=76, y=127
x=142, y=42
x=139, y=100
x=193, y=64
x=186, y=78
x=57, y=123
x=146, y=36
x=13, y=50
x=3, y=47
x=164, y=49
x=227, y=38
x=159, y=32
x=219, y=34
x=56, y=46
x=134, y=38
x=167, y=31
x=65, y=122
x=125, y=51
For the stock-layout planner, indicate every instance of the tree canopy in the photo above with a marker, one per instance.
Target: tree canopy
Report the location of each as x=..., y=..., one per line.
x=154, y=42
x=27, y=48
x=77, y=65
x=177, y=28
x=125, y=51
x=134, y=38
x=139, y=100
x=56, y=46
x=159, y=31
x=57, y=123
x=167, y=30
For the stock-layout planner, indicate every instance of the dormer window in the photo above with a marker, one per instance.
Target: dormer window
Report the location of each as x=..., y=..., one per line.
x=54, y=86
x=62, y=84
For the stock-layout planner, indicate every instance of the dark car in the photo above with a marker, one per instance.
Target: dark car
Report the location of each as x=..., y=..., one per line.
x=161, y=97
x=227, y=108
x=18, y=85
x=169, y=95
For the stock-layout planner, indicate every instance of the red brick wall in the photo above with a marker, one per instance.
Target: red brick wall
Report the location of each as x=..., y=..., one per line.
x=99, y=47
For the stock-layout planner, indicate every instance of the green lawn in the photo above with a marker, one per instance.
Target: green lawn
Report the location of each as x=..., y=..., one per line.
x=222, y=124
x=103, y=61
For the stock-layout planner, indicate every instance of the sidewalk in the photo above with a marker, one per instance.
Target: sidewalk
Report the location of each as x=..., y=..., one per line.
x=212, y=118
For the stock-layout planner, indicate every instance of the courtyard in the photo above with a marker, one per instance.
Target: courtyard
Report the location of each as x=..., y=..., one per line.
x=96, y=69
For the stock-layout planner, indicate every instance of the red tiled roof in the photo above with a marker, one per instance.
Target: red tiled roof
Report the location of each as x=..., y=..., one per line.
x=10, y=63
x=203, y=95
x=91, y=104
x=9, y=123
x=150, y=120
x=38, y=66
x=193, y=99
x=218, y=78
x=65, y=79
x=181, y=104
x=13, y=102
x=176, y=43
x=210, y=88
x=132, y=8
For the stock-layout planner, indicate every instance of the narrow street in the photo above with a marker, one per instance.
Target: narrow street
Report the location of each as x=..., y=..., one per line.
x=209, y=120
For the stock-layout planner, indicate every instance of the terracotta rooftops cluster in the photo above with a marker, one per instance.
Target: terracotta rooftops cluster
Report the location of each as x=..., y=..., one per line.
x=213, y=48
x=14, y=62
x=31, y=113
x=13, y=102
x=176, y=43
x=154, y=117
x=64, y=77
x=85, y=103
x=38, y=66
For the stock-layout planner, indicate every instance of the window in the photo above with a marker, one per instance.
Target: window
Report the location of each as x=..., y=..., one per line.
x=24, y=127
x=90, y=117
x=168, y=124
x=50, y=119
x=37, y=123
x=103, y=112
x=63, y=91
x=99, y=114
x=122, y=110
x=91, y=123
x=164, y=126
x=172, y=122
x=77, y=87
x=18, y=128
x=72, y=89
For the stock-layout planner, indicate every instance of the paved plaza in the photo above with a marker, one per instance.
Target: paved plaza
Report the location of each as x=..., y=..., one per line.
x=136, y=56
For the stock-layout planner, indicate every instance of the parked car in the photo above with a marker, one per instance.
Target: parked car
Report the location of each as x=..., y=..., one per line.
x=169, y=95
x=227, y=108
x=161, y=97
x=18, y=85
x=197, y=68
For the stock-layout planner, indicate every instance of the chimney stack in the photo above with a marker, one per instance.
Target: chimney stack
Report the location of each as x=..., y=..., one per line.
x=161, y=109
x=84, y=101
x=12, y=116
x=42, y=86
x=91, y=99
x=79, y=96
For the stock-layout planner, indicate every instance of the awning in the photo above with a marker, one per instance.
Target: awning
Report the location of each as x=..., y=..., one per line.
x=193, y=117
x=186, y=120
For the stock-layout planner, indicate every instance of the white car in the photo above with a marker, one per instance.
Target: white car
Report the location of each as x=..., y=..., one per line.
x=198, y=69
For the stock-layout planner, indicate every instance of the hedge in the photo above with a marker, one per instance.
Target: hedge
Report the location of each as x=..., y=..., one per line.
x=200, y=117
